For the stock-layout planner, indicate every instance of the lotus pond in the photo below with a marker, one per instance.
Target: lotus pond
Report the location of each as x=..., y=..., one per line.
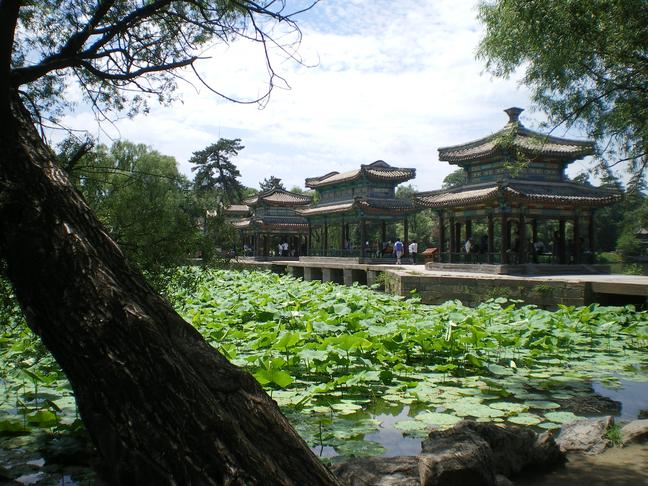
x=360, y=372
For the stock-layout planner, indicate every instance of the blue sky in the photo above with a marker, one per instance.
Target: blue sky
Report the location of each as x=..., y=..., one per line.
x=379, y=80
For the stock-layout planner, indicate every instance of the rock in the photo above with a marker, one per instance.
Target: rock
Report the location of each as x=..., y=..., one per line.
x=643, y=414
x=468, y=454
x=5, y=475
x=73, y=449
x=587, y=435
x=635, y=431
x=591, y=405
x=456, y=457
x=378, y=471
x=501, y=480
x=513, y=448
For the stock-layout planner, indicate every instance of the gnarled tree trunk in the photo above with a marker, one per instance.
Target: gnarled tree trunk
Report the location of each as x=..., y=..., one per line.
x=161, y=405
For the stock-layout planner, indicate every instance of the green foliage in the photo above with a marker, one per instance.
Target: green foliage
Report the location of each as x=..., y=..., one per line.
x=422, y=225
x=122, y=53
x=335, y=357
x=270, y=183
x=454, y=179
x=628, y=245
x=143, y=201
x=216, y=174
x=584, y=61
x=613, y=434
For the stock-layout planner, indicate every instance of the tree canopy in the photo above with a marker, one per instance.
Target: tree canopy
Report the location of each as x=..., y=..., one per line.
x=121, y=52
x=454, y=179
x=142, y=199
x=270, y=183
x=586, y=63
x=216, y=174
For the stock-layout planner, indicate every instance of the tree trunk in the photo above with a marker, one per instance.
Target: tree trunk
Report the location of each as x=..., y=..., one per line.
x=161, y=405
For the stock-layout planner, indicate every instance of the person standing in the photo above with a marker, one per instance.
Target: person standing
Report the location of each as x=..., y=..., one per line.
x=413, y=250
x=398, y=249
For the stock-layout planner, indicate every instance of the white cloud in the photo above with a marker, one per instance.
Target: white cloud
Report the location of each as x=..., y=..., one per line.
x=392, y=81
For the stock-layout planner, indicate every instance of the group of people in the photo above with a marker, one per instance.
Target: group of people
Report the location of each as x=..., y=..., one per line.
x=397, y=249
x=282, y=249
x=472, y=246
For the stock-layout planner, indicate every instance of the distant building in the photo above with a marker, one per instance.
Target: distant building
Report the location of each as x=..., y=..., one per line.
x=357, y=206
x=268, y=219
x=517, y=189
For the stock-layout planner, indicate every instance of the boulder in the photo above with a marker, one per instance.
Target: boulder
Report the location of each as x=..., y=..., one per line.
x=456, y=457
x=509, y=450
x=513, y=448
x=586, y=435
x=591, y=405
x=635, y=431
x=501, y=480
x=378, y=471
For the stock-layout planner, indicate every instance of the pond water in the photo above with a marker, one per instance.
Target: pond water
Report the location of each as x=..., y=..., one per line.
x=631, y=398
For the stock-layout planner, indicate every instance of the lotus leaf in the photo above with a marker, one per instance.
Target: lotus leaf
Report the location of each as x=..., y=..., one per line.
x=542, y=404
x=525, y=419
x=437, y=419
x=562, y=417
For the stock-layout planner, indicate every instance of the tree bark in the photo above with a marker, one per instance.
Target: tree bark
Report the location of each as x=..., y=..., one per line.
x=161, y=405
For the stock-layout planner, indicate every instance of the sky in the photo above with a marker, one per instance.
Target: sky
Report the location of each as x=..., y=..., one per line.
x=378, y=80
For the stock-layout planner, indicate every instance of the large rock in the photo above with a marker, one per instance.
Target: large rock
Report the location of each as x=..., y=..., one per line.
x=468, y=454
x=587, y=435
x=635, y=431
x=512, y=448
x=378, y=471
x=508, y=451
x=590, y=405
x=456, y=457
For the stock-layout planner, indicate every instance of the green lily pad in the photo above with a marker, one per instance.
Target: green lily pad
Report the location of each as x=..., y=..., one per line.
x=360, y=448
x=542, y=404
x=549, y=425
x=562, y=417
x=525, y=419
x=413, y=428
x=499, y=370
x=477, y=410
x=346, y=408
x=438, y=419
x=509, y=407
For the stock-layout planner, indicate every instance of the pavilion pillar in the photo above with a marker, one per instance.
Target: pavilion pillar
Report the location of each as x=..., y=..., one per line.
x=491, y=238
x=257, y=245
x=458, y=236
x=468, y=228
x=309, y=239
x=577, y=242
x=534, y=230
x=505, y=237
x=383, y=232
x=325, y=239
x=265, y=245
x=405, y=236
x=561, y=241
x=522, y=240
x=453, y=239
x=590, y=236
x=441, y=233
x=363, y=237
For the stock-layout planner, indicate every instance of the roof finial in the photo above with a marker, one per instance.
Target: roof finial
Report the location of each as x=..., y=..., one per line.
x=514, y=115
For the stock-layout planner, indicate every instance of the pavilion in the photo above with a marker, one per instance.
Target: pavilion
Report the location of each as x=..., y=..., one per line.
x=355, y=211
x=269, y=218
x=516, y=194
